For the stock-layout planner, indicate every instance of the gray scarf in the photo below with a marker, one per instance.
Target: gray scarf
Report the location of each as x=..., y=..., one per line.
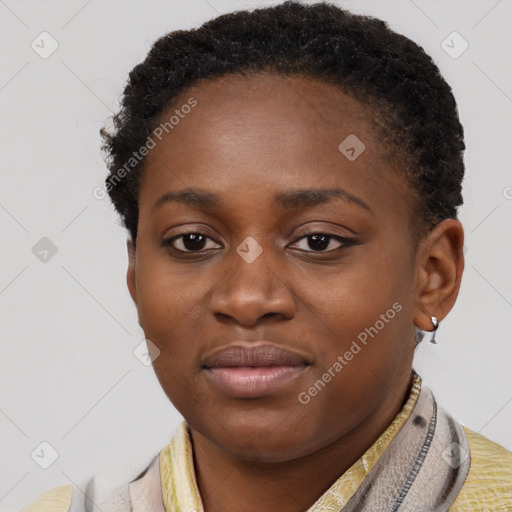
x=422, y=469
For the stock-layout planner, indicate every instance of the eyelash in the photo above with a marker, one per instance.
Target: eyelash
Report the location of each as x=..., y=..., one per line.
x=345, y=241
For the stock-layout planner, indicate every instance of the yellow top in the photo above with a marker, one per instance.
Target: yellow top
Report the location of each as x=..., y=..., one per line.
x=55, y=500
x=488, y=486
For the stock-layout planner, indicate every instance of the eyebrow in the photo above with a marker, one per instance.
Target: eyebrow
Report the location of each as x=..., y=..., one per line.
x=306, y=198
x=295, y=199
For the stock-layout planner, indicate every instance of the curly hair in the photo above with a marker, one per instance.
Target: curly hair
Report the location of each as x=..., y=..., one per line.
x=414, y=107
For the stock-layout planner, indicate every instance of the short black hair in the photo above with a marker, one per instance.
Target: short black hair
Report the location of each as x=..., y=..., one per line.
x=414, y=106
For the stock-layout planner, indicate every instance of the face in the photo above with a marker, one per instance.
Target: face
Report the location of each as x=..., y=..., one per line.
x=274, y=269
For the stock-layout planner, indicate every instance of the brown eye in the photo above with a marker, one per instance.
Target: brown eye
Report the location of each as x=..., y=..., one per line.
x=319, y=242
x=189, y=242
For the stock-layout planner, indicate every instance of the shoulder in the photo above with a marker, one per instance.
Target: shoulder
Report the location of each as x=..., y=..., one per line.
x=110, y=491
x=488, y=485
x=71, y=498
x=54, y=500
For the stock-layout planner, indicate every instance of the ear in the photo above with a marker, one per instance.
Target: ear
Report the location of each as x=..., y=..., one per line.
x=440, y=263
x=130, y=274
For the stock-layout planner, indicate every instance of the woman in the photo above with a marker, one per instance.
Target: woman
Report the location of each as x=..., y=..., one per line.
x=290, y=179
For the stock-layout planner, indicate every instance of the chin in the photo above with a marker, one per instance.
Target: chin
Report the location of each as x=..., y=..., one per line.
x=269, y=438
x=265, y=448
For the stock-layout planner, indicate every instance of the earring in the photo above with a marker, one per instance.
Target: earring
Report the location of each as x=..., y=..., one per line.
x=435, y=323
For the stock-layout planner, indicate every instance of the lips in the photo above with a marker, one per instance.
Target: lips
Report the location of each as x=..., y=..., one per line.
x=253, y=370
x=255, y=354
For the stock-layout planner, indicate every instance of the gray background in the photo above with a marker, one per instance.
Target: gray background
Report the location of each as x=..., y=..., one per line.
x=67, y=325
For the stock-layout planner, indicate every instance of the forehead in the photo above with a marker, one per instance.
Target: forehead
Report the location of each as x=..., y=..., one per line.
x=273, y=112
x=268, y=133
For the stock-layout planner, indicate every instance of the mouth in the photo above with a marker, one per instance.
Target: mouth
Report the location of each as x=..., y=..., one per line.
x=253, y=370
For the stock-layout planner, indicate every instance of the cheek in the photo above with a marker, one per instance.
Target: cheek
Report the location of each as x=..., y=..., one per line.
x=363, y=318
x=172, y=307
x=351, y=299
x=165, y=300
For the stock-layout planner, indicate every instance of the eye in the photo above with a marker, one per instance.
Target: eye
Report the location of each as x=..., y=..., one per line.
x=319, y=242
x=189, y=242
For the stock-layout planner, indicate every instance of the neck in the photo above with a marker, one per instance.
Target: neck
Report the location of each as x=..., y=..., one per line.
x=228, y=483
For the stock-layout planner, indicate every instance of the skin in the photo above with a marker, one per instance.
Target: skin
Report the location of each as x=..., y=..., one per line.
x=248, y=139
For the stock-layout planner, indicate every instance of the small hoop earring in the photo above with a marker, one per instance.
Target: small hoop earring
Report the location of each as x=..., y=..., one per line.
x=435, y=323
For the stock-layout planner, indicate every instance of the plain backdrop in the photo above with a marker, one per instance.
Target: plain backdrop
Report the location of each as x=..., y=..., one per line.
x=68, y=328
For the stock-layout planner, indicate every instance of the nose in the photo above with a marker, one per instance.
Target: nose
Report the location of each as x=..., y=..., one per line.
x=252, y=292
